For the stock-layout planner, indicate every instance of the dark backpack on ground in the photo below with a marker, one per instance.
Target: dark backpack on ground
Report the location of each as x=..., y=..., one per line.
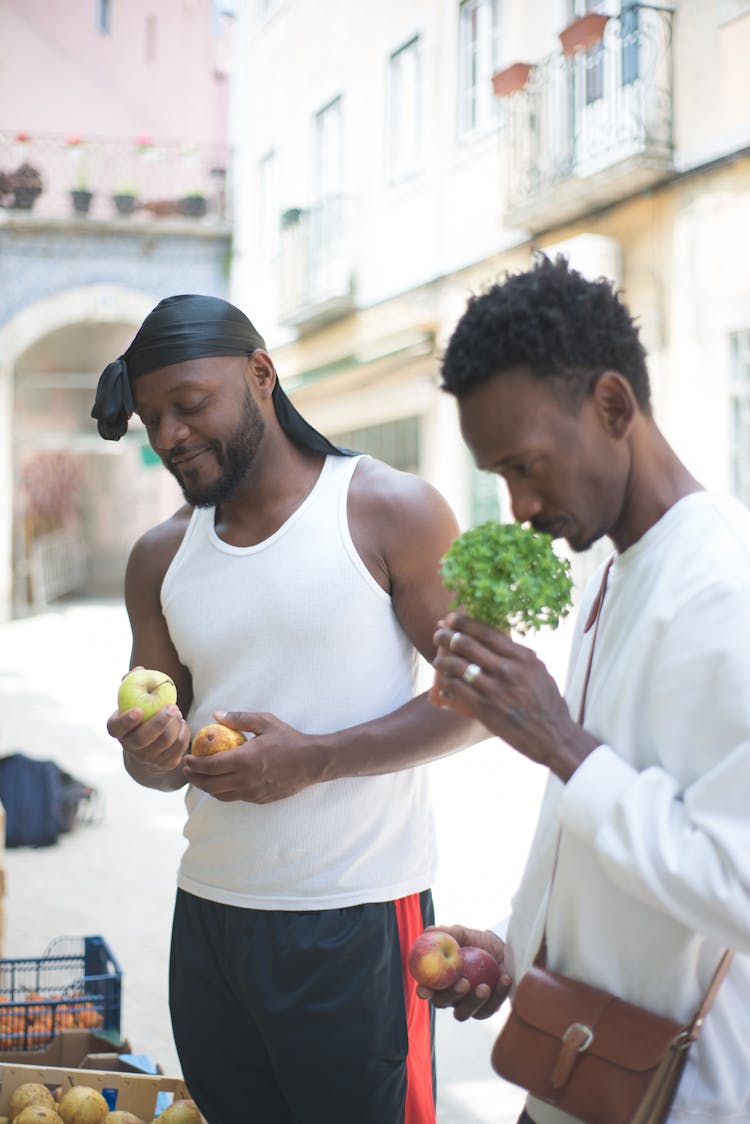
x=41, y=800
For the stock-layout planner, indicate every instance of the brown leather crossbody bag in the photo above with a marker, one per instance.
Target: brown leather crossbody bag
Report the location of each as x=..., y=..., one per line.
x=584, y=1050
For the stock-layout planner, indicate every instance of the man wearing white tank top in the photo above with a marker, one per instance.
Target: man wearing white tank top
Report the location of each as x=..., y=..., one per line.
x=288, y=597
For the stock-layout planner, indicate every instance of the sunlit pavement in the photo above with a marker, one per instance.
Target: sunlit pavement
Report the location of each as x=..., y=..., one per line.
x=58, y=681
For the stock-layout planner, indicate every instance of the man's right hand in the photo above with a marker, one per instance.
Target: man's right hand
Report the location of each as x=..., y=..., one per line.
x=153, y=749
x=480, y=1003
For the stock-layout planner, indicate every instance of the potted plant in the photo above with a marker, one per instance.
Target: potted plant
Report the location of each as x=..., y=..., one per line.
x=583, y=33
x=80, y=194
x=125, y=199
x=81, y=197
x=511, y=80
x=6, y=189
x=194, y=204
x=26, y=185
x=292, y=216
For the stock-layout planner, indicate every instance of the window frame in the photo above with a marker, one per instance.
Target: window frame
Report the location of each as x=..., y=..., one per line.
x=478, y=57
x=403, y=159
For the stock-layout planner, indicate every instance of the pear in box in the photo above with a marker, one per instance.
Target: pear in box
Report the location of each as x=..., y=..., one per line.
x=180, y=1112
x=30, y=1093
x=82, y=1105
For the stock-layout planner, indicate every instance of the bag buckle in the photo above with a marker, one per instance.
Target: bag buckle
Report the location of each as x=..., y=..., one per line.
x=577, y=1038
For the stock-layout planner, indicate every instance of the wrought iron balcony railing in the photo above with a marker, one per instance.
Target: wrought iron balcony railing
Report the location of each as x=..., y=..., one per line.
x=316, y=264
x=52, y=177
x=590, y=127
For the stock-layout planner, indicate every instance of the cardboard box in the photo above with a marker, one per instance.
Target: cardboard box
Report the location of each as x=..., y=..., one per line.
x=69, y=1048
x=123, y=1062
x=132, y=1092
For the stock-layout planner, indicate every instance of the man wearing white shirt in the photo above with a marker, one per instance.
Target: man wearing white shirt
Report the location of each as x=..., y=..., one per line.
x=647, y=806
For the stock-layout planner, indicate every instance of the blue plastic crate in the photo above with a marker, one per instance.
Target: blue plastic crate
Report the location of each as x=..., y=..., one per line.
x=76, y=983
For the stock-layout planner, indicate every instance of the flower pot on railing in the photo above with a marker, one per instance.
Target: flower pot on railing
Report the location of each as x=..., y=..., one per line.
x=25, y=186
x=584, y=33
x=125, y=202
x=291, y=217
x=81, y=198
x=194, y=206
x=511, y=80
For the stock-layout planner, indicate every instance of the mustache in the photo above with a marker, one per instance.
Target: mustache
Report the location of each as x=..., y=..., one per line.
x=184, y=454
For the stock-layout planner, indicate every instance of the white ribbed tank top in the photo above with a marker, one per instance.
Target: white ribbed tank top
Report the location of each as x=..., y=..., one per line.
x=298, y=627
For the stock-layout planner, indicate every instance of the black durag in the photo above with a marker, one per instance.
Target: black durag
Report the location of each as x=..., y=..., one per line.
x=190, y=327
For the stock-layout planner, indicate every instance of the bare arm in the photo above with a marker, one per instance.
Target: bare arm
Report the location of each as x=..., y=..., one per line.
x=153, y=750
x=401, y=527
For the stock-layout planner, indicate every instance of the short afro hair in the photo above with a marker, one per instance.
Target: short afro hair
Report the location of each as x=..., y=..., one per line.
x=554, y=321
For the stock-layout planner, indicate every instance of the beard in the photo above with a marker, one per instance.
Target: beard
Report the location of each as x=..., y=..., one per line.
x=235, y=458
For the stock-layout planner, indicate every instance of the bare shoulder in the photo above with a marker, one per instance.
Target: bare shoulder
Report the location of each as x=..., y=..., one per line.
x=153, y=552
x=397, y=519
x=380, y=490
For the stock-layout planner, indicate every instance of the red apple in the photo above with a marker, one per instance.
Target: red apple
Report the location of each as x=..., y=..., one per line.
x=479, y=967
x=435, y=959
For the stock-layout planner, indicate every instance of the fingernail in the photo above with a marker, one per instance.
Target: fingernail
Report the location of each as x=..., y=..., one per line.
x=221, y=713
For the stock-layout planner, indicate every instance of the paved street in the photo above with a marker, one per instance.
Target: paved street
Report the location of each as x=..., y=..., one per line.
x=58, y=681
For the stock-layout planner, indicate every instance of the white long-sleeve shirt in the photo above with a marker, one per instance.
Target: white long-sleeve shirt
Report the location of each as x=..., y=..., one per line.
x=652, y=880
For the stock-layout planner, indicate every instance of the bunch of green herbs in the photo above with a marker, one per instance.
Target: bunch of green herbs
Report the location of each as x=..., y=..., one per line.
x=508, y=576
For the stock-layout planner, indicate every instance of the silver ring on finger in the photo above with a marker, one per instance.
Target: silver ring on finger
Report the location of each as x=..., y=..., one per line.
x=452, y=642
x=471, y=672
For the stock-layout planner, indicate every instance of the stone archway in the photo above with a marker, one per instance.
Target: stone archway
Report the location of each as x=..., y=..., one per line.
x=73, y=504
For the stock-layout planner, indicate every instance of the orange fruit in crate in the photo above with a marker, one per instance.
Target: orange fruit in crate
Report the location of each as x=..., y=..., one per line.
x=88, y=1016
x=40, y=1020
x=65, y=1016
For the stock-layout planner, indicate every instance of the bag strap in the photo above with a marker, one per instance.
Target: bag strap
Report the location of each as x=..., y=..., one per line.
x=707, y=1002
x=593, y=621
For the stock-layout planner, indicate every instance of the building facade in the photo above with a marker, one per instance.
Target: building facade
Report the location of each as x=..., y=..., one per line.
x=115, y=183
x=407, y=155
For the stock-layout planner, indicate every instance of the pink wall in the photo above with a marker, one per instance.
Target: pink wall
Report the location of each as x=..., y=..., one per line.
x=60, y=74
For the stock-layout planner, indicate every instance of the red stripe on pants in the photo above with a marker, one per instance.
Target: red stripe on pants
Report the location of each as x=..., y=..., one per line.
x=420, y=1103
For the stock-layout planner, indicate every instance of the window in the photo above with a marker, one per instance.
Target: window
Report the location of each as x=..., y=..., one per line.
x=269, y=211
x=397, y=443
x=328, y=151
x=485, y=491
x=403, y=131
x=478, y=53
x=151, y=28
x=104, y=16
x=740, y=415
x=629, y=20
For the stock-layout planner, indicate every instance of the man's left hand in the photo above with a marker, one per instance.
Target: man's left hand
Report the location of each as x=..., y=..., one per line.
x=276, y=762
x=509, y=689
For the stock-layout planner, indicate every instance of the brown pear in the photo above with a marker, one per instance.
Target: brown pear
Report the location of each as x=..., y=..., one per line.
x=37, y=1114
x=82, y=1105
x=180, y=1112
x=121, y=1116
x=214, y=739
x=30, y=1093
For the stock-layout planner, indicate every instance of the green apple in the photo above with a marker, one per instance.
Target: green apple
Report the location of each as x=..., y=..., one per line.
x=148, y=690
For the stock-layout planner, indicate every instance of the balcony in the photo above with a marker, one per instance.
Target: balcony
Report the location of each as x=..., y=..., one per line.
x=590, y=128
x=115, y=180
x=316, y=265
